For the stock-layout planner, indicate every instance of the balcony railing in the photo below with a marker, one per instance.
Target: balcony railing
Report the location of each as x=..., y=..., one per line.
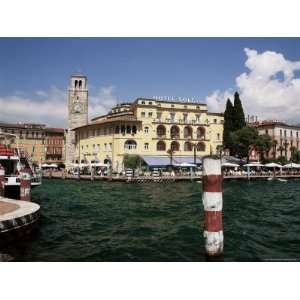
x=180, y=121
x=200, y=137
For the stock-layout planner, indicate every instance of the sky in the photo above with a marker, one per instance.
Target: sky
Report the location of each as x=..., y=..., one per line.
x=35, y=72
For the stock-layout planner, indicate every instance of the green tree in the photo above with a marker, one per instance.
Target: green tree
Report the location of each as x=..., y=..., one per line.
x=242, y=140
x=281, y=160
x=248, y=136
x=238, y=115
x=131, y=161
x=263, y=144
x=296, y=156
x=274, y=144
x=228, y=125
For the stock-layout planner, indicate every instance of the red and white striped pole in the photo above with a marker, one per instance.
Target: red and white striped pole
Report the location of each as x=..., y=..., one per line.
x=2, y=181
x=212, y=199
x=25, y=185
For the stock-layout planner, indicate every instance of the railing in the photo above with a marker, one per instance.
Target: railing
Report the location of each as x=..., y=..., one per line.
x=180, y=121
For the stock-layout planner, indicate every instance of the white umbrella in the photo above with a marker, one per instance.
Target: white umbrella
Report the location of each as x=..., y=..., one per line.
x=254, y=164
x=184, y=164
x=98, y=164
x=228, y=164
x=83, y=165
x=273, y=165
x=291, y=165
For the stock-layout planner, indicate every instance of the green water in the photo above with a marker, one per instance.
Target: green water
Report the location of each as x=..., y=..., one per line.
x=103, y=221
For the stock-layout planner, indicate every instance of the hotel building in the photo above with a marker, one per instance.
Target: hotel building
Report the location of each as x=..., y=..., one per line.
x=285, y=138
x=149, y=128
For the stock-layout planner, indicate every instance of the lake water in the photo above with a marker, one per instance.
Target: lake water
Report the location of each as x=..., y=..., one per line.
x=103, y=221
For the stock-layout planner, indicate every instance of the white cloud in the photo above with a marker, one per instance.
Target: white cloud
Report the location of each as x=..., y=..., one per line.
x=50, y=107
x=102, y=102
x=268, y=89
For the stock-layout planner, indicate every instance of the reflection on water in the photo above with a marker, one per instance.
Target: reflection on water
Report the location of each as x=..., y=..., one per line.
x=101, y=221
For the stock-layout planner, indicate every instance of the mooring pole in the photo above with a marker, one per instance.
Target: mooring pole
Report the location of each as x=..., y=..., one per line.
x=2, y=181
x=92, y=174
x=212, y=199
x=25, y=185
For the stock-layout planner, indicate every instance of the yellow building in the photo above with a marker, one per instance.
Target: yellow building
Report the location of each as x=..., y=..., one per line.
x=150, y=128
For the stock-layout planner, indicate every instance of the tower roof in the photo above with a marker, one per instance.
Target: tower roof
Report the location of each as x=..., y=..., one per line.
x=78, y=74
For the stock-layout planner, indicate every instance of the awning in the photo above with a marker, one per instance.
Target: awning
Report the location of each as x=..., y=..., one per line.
x=156, y=161
x=292, y=165
x=254, y=164
x=273, y=165
x=230, y=165
x=186, y=159
x=164, y=161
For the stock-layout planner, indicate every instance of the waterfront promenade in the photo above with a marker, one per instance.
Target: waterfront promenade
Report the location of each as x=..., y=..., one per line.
x=17, y=218
x=166, y=178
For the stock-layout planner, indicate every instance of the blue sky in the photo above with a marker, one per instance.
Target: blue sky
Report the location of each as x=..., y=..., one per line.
x=125, y=68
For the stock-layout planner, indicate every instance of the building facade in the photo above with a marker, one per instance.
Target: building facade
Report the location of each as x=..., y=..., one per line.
x=32, y=139
x=149, y=127
x=77, y=112
x=55, y=145
x=285, y=138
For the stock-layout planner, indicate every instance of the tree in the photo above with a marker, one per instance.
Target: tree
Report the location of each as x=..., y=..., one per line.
x=242, y=140
x=296, y=156
x=285, y=144
x=280, y=148
x=238, y=116
x=228, y=125
x=248, y=136
x=131, y=161
x=171, y=153
x=274, y=144
x=264, y=144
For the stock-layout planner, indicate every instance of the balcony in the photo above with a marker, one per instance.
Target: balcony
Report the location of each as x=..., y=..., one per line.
x=200, y=137
x=180, y=121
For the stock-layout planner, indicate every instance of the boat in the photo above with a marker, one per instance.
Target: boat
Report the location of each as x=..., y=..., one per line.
x=270, y=178
x=14, y=159
x=282, y=180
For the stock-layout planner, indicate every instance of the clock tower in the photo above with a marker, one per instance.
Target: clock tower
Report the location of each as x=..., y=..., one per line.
x=77, y=112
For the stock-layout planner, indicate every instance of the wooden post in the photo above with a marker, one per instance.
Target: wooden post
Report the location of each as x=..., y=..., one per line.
x=92, y=174
x=2, y=180
x=212, y=199
x=25, y=185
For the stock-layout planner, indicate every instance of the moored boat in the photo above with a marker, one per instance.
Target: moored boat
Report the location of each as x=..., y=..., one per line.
x=13, y=160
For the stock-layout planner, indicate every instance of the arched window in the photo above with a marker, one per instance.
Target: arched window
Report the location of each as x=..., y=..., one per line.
x=200, y=133
x=200, y=147
x=161, y=130
x=175, y=132
x=128, y=129
x=175, y=146
x=130, y=145
x=134, y=129
x=188, y=146
x=80, y=83
x=117, y=129
x=76, y=82
x=161, y=146
x=188, y=132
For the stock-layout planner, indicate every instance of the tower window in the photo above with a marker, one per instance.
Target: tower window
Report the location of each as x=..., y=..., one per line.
x=80, y=83
x=76, y=82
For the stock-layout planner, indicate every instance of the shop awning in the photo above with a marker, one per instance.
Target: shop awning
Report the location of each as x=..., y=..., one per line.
x=164, y=161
